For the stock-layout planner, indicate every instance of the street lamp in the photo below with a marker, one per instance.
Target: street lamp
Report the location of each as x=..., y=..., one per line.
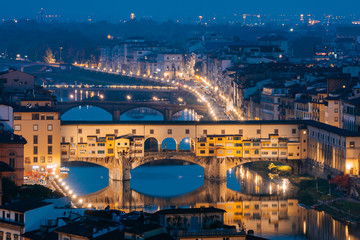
x=60, y=53
x=128, y=97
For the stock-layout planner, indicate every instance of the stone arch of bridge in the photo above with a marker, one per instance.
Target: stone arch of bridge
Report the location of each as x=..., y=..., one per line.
x=187, y=144
x=151, y=144
x=169, y=144
x=139, y=162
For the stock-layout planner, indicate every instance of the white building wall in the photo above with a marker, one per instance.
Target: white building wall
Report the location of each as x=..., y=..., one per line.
x=6, y=117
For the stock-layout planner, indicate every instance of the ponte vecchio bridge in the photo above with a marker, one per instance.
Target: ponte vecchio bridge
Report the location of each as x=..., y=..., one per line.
x=303, y=141
x=116, y=108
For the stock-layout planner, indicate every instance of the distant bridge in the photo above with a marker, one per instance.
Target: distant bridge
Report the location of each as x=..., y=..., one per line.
x=116, y=108
x=113, y=88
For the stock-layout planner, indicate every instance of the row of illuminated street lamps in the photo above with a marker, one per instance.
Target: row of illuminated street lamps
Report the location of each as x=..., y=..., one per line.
x=201, y=97
x=221, y=96
x=67, y=191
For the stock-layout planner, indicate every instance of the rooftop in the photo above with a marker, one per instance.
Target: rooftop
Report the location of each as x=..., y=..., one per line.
x=5, y=168
x=40, y=235
x=320, y=125
x=142, y=228
x=35, y=109
x=25, y=205
x=9, y=137
x=87, y=227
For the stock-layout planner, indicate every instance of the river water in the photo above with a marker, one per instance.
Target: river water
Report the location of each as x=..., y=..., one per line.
x=269, y=208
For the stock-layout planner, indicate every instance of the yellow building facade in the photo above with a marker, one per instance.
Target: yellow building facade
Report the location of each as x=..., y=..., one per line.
x=272, y=147
x=109, y=146
x=39, y=124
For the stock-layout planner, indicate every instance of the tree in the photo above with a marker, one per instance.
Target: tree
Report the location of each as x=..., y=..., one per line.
x=49, y=57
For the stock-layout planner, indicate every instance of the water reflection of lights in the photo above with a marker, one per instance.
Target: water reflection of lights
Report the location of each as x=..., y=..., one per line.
x=347, y=232
x=284, y=183
x=304, y=227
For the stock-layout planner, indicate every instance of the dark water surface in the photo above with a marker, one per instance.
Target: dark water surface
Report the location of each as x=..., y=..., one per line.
x=266, y=207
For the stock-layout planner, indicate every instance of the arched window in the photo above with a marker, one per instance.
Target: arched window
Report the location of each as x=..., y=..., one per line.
x=12, y=160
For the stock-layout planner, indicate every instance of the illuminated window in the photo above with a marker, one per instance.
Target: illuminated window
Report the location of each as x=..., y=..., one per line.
x=50, y=127
x=17, y=127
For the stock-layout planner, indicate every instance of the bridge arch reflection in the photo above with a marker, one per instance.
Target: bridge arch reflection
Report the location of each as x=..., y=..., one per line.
x=187, y=144
x=119, y=195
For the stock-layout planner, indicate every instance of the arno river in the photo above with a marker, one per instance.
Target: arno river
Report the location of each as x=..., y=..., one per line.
x=269, y=208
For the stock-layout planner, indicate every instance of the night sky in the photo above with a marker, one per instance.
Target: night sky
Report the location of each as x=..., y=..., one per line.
x=170, y=9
